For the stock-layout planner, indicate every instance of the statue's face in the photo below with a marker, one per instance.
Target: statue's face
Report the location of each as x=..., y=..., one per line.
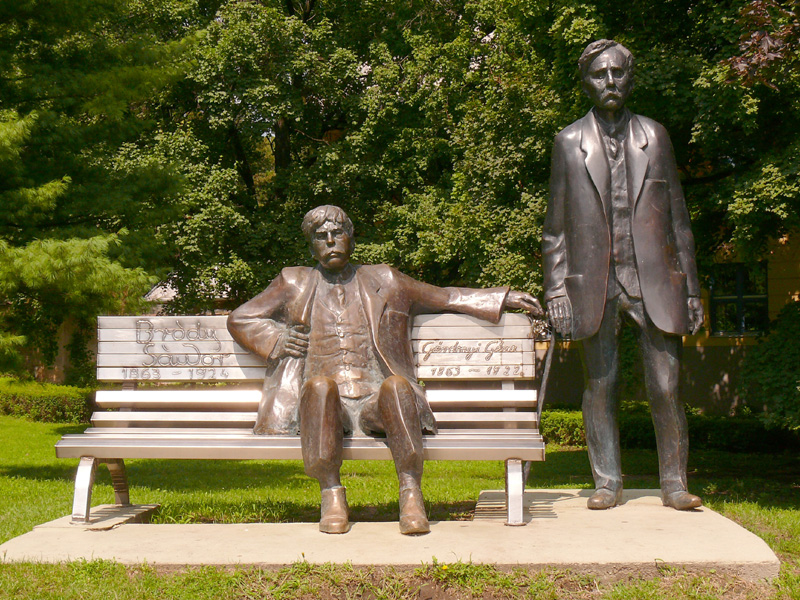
x=608, y=82
x=331, y=246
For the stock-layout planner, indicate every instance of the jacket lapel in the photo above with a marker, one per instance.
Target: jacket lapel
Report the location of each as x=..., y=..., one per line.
x=636, y=158
x=595, y=157
x=373, y=302
x=300, y=311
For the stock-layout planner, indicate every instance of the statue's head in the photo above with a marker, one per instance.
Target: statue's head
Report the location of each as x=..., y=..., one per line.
x=607, y=74
x=329, y=232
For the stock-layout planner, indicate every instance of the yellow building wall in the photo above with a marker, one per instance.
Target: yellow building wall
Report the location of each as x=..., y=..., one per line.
x=783, y=274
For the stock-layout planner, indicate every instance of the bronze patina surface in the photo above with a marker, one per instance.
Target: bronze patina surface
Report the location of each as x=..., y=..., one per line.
x=336, y=341
x=618, y=246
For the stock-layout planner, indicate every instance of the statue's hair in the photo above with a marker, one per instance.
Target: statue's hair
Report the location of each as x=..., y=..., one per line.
x=596, y=48
x=317, y=217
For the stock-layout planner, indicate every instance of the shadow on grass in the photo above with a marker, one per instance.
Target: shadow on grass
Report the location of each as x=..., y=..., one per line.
x=180, y=475
x=299, y=512
x=39, y=472
x=67, y=429
x=768, y=480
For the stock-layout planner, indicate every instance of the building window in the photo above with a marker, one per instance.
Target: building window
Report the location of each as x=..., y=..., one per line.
x=738, y=299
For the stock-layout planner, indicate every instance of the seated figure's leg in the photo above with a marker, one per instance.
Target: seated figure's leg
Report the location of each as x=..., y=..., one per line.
x=321, y=436
x=397, y=407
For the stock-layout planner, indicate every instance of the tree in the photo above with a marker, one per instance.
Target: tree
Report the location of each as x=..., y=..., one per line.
x=198, y=132
x=71, y=74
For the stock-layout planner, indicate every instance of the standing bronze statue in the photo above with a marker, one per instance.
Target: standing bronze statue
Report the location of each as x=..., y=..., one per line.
x=336, y=339
x=617, y=245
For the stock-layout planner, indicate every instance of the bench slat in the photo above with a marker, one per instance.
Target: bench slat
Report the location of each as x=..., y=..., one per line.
x=213, y=399
x=485, y=332
x=288, y=447
x=158, y=347
x=248, y=419
x=523, y=344
x=109, y=333
x=221, y=399
x=434, y=373
x=485, y=417
x=173, y=322
x=493, y=345
x=247, y=432
x=219, y=321
x=459, y=320
x=181, y=374
x=184, y=360
x=206, y=419
x=476, y=373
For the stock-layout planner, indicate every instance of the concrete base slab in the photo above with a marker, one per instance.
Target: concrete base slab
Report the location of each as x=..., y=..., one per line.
x=641, y=535
x=107, y=516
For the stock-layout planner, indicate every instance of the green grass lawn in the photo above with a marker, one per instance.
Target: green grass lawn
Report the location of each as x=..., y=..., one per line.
x=762, y=492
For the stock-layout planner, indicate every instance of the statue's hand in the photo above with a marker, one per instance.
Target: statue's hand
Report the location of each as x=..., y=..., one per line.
x=524, y=301
x=695, y=314
x=560, y=312
x=293, y=342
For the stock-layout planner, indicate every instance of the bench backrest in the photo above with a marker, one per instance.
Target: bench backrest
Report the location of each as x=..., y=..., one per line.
x=478, y=374
x=446, y=346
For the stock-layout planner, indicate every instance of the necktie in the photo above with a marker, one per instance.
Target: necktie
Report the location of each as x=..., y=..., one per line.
x=613, y=145
x=339, y=293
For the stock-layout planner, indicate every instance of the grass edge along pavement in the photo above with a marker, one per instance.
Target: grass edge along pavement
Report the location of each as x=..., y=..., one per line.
x=759, y=491
x=93, y=580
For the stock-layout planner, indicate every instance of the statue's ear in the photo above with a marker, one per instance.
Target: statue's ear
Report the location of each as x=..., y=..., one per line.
x=584, y=88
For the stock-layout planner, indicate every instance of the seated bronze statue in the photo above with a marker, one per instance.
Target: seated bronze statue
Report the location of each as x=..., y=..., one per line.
x=336, y=341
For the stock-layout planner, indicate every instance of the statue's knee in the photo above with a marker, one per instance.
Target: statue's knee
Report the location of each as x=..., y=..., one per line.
x=397, y=399
x=319, y=387
x=396, y=385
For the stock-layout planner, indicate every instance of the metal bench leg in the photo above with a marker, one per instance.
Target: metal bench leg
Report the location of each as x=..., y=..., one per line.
x=119, y=479
x=84, y=480
x=515, y=490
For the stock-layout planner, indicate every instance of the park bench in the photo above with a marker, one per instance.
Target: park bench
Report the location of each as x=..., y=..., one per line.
x=478, y=378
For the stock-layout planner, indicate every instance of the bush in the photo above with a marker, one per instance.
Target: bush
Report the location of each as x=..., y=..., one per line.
x=45, y=402
x=771, y=371
x=731, y=434
x=563, y=427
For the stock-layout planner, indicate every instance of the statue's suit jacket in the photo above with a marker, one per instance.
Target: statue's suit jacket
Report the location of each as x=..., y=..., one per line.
x=576, y=242
x=390, y=300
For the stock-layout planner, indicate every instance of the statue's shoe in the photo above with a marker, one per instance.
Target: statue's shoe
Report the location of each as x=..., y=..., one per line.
x=682, y=500
x=604, y=498
x=334, y=511
x=413, y=520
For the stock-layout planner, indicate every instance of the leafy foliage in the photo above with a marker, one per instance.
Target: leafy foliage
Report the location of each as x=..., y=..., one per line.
x=45, y=402
x=45, y=282
x=770, y=42
x=190, y=136
x=729, y=434
x=771, y=371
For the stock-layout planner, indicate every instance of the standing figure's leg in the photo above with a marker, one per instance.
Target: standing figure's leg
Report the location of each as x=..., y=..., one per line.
x=397, y=408
x=600, y=354
x=661, y=359
x=321, y=436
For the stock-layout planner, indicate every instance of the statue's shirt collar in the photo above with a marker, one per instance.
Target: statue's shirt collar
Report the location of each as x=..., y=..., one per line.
x=342, y=277
x=616, y=130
